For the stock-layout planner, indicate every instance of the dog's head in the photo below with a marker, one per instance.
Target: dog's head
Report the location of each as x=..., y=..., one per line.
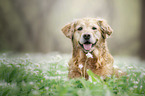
x=87, y=32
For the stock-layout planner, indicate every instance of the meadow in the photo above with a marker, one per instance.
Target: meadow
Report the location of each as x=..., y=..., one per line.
x=46, y=75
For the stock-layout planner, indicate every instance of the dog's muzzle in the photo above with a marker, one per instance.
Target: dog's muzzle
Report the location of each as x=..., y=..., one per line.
x=87, y=42
x=87, y=46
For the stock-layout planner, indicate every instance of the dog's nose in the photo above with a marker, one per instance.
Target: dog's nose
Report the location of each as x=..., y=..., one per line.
x=86, y=36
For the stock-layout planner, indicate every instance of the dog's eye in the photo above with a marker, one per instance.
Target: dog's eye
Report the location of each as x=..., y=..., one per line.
x=94, y=28
x=80, y=28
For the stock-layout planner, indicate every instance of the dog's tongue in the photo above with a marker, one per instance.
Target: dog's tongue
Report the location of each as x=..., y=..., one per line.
x=87, y=46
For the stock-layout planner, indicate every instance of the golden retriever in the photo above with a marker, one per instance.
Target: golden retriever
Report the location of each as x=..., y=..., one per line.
x=90, y=49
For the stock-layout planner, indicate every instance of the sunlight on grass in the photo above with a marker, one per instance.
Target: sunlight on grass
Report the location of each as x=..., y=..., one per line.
x=46, y=75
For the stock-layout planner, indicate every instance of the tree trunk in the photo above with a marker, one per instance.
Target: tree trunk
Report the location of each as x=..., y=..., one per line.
x=142, y=35
x=24, y=25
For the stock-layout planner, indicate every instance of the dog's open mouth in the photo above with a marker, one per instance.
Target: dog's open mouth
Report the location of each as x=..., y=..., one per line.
x=87, y=45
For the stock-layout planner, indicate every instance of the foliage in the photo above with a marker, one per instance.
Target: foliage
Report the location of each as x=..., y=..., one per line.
x=46, y=75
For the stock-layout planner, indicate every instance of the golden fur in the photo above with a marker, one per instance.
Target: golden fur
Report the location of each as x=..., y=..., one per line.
x=101, y=62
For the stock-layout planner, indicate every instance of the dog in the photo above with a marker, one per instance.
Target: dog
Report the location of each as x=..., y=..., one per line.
x=90, y=51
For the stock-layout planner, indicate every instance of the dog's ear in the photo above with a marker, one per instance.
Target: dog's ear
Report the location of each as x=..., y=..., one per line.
x=105, y=28
x=68, y=30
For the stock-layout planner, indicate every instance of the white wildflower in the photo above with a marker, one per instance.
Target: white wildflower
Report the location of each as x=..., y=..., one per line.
x=126, y=65
x=36, y=72
x=3, y=83
x=46, y=88
x=61, y=72
x=128, y=75
x=131, y=79
x=58, y=57
x=9, y=66
x=131, y=88
x=130, y=67
x=65, y=79
x=90, y=79
x=109, y=76
x=18, y=66
x=80, y=66
x=135, y=86
x=46, y=77
x=119, y=71
x=134, y=74
x=4, y=54
x=31, y=83
x=89, y=55
x=14, y=63
x=135, y=82
x=27, y=54
x=13, y=85
x=101, y=77
x=37, y=65
x=35, y=92
x=53, y=77
x=94, y=83
x=142, y=75
x=115, y=66
x=141, y=87
x=58, y=77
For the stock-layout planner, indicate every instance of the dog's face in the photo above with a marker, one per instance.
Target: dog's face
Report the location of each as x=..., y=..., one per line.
x=86, y=32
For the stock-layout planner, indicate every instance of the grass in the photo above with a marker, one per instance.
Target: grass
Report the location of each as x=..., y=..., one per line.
x=46, y=75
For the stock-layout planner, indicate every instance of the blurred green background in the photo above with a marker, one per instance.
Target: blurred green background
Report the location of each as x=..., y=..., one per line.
x=35, y=25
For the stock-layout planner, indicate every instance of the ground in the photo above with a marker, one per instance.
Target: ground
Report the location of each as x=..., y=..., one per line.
x=46, y=75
